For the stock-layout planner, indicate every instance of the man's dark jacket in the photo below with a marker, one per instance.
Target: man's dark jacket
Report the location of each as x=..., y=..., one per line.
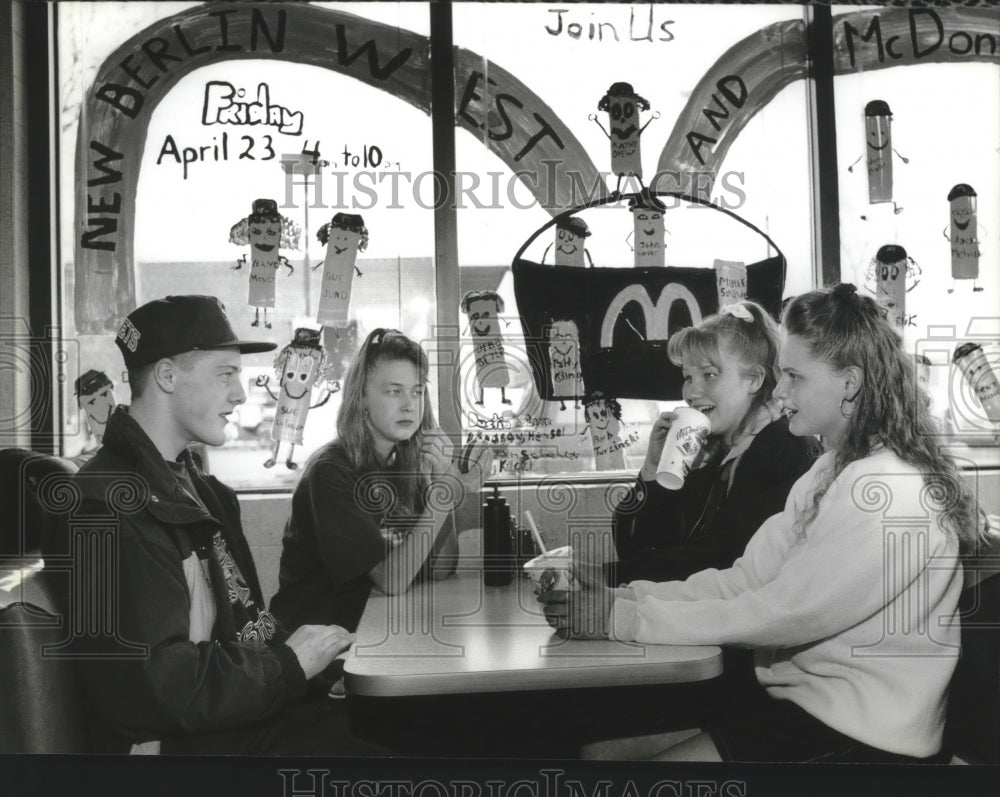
x=178, y=691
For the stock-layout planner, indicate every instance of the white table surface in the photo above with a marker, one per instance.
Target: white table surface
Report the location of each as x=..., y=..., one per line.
x=458, y=636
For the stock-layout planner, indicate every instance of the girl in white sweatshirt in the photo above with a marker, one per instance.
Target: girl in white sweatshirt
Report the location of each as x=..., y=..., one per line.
x=849, y=596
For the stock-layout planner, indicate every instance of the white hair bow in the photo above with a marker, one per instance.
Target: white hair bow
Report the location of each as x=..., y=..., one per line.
x=737, y=310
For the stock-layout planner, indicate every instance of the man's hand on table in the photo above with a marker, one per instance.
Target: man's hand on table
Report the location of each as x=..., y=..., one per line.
x=315, y=646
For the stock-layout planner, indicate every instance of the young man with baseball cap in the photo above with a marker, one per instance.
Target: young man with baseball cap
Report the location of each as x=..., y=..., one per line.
x=217, y=673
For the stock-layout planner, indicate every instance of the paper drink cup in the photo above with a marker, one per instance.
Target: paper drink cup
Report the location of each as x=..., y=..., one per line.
x=980, y=376
x=684, y=440
x=552, y=570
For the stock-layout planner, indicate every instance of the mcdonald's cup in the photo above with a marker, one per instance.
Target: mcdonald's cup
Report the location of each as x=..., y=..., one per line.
x=687, y=435
x=552, y=570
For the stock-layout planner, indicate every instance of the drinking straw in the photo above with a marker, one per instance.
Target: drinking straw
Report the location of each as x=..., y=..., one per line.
x=534, y=531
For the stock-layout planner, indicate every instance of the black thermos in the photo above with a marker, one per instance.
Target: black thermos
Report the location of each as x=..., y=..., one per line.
x=498, y=548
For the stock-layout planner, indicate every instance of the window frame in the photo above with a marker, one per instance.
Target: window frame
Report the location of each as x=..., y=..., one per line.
x=46, y=289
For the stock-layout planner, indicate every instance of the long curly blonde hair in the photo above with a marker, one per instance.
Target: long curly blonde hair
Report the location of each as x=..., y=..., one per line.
x=890, y=409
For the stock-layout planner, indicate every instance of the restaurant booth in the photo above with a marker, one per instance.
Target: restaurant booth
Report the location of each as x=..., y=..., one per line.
x=588, y=179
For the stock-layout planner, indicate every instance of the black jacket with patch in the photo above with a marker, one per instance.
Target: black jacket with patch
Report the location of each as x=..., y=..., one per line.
x=143, y=677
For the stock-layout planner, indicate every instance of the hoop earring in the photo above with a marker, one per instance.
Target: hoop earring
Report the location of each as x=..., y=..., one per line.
x=844, y=414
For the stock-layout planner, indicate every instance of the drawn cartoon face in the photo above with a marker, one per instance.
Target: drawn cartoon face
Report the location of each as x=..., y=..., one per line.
x=563, y=338
x=99, y=405
x=299, y=374
x=877, y=132
x=624, y=117
x=343, y=240
x=647, y=220
x=648, y=230
x=265, y=235
x=598, y=415
x=483, y=317
x=962, y=210
x=889, y=276
x=568, y=243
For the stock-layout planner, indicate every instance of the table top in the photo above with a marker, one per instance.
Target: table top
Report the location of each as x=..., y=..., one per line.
x=457, y=636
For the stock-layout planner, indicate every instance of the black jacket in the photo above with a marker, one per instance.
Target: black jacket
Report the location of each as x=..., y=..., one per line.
x=176, y=689
x=666, y=535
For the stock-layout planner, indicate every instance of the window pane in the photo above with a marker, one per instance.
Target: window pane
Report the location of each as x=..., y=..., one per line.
x=912, y=140
x=568, y=58
x=231, y=133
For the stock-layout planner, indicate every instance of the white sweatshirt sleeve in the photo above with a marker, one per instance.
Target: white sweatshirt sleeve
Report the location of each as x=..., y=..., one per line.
x=759, y=563
x=853, y=560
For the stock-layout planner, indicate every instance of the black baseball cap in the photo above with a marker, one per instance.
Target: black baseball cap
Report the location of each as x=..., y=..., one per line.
x=176, y=324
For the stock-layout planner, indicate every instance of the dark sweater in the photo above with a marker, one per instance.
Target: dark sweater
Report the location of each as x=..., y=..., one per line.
x=666, y=535
x=340, y=528
x=332, y=539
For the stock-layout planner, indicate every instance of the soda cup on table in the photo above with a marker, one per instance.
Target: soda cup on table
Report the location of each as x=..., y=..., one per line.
x=552, y=570
x=687, y=435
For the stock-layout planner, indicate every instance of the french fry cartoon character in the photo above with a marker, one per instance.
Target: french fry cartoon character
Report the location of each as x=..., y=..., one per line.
x=878, y=154
x=977, y=368
x=890, y=276
x=648, y=233
x=890, y=283
x=344, y=237
x=604, y=423
x=483, y=309
x=964, y=238
x=299, y=366
x=266, y=231
x=95, y=394
x=571, y=235
x=623, y=106
x=564, y=357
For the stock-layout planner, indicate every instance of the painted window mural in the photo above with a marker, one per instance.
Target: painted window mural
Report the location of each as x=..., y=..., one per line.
x=249, y=153
x=613, y=113
x=621, y=171
x=919, y=169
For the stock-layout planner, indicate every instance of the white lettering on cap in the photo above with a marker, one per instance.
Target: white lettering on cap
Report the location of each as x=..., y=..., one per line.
x=129, y=335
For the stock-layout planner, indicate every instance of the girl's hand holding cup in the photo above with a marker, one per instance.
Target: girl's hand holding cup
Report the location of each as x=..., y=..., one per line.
x=685, y=438
x=657, y=437
x=583, y=612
